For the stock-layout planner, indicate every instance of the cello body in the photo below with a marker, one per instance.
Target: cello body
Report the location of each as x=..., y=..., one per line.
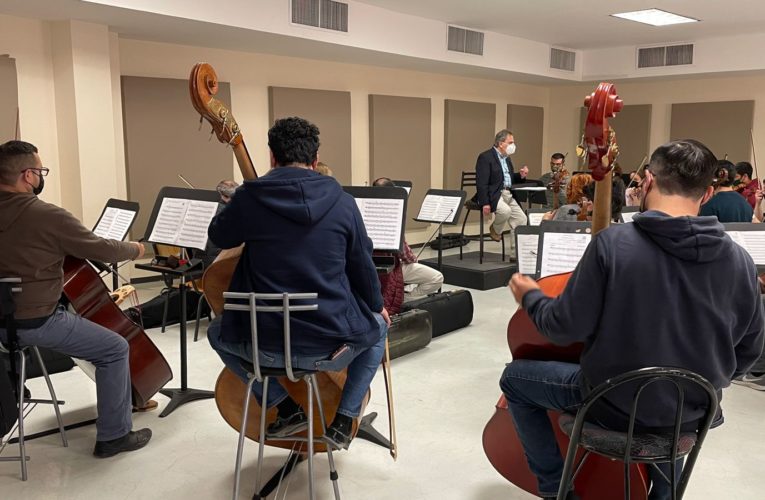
x=83, y=287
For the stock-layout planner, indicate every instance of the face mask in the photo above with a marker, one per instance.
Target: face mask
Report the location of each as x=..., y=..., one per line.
x=40, y=185
x=510, y=149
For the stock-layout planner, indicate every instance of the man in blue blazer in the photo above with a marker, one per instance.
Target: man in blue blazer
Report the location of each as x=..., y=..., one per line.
x=494, y=177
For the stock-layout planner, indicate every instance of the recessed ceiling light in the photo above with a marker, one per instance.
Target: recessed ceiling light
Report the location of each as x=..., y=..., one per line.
x=655, y=17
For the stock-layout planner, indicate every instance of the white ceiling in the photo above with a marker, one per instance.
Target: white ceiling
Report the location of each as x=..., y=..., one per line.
x=586, y=24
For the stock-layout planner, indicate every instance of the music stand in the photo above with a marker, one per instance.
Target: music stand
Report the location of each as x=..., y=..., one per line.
x=404, y=184
x=527, y=249
x=441, y=206
x=169, y=209
x=751, y=237
x=534, y=216
x=566, y=241
x=628, y=213
x=114, y=223
x=527, y=191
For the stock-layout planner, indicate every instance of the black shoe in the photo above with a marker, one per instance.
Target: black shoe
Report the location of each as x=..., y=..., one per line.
x=283, y=427
x=133, y=440
x=337, y=437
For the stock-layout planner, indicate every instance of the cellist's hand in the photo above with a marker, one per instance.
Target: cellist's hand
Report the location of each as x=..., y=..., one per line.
x=520, y=285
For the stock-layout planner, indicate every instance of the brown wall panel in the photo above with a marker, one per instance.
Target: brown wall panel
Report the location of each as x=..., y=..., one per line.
x=162, y=140
x=633, y=134
x=724, y=127
x=527, y=125
x=327, y=109
x=9, y=99
x=399, y=145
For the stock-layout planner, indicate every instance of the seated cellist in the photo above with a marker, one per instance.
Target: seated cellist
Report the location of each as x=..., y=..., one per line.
x=691, y=315
x=302, y=233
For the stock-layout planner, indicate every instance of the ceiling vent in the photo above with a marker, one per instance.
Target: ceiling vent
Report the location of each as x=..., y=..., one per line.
x=671, y=55
x=464, y=40
x=326, y=14
x=562, y=59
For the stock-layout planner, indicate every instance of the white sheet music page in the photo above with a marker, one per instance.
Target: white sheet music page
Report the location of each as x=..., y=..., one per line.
x=627, y=216
x=535, y=218
x=527, y=253
x=753, y=242
x=114, y=223
x=561, y=252
x=437, y=208
x=193, y=232
x=382, y=219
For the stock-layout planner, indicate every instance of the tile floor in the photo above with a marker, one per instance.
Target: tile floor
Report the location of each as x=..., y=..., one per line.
x=445, y=394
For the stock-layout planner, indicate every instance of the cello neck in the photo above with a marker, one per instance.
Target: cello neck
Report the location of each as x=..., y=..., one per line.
x=245, y=162
x=601, y=208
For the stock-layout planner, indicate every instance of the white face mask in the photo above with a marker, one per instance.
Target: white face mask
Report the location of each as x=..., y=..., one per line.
x=510, y=149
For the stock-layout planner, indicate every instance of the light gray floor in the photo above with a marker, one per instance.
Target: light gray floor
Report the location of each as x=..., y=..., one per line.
x=444, y=395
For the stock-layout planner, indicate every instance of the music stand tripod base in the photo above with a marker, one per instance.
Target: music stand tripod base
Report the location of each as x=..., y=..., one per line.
x=179, y=397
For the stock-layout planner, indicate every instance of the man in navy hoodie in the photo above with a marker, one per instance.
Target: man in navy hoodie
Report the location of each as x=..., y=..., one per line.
x=302, y=233
x=690, y=315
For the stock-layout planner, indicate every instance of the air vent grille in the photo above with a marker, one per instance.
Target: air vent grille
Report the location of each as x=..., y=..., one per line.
x=464, y=40
x=562, y=59
x=326, y=14
x=671, y=55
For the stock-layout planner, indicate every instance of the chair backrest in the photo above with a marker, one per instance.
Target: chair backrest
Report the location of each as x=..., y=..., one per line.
x=468, y=180
x=683, y=380
x=286, y=307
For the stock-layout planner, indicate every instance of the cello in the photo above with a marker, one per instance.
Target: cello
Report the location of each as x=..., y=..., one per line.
x=599, y=478
x=229, y=389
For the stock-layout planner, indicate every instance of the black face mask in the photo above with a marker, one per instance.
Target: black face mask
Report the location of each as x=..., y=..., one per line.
x=40, y=185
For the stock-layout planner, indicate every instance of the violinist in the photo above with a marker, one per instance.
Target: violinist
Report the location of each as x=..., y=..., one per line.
x=302, y=233
x=36, y=237
x=632, y=193
x=726, y=204
x=744, y=184
x=692, y=316
x=557, y=164
x=574, y=195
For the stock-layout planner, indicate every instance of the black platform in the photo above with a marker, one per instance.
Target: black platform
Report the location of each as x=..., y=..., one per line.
x=493, y=273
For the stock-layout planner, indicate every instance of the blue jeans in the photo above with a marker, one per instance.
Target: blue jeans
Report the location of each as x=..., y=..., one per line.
x=75, y=336
x=362, y=365
x=533, y=387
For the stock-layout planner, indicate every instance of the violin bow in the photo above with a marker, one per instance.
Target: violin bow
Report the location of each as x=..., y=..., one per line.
x=639, y=170
x=754, y=159
x=389, y=393
x=17, y=130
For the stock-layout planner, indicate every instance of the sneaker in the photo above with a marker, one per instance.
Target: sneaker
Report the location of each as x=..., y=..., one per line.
x=283, y=427
x=337, y=438
x=749, y=380
x=133, y=440
x=494, y=235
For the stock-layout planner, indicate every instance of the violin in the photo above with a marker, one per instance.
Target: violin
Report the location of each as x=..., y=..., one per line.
x=559, y=175
x=599, y=478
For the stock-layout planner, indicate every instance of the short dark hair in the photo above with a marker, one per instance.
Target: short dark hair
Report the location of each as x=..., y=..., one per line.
x=685, y=168
x=501, y=136
x=293, y=141
x=744, y=168
x=724, y=173
x=558, y=156
x=15, y=157
x=383, y=182
x=617, y=195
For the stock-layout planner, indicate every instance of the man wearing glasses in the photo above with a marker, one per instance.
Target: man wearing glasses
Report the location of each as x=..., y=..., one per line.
x=557, y=162
x=35, y=237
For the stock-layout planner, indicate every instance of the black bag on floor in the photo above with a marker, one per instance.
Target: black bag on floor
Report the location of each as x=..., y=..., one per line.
x=409, y=331
x=449, y=310
x=450, y=240
x=151, y=311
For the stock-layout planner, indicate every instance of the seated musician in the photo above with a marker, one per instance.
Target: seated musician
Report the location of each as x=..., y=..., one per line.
x=35, y=237
x=557, y=161
x=726, y=204
x=425, y=279
x=303, y=233
x=632, y=194
x=691, y=315
x=744, y=184
x=574, y=194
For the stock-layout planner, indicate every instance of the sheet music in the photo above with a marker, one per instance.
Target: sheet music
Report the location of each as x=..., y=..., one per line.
x=183, y=222
x=114, y=223
x=528, y=245
x=753, y=242
x=535, y=218
x=561, y=252
x=627, y=216
x=437, y=208
x=382, y=218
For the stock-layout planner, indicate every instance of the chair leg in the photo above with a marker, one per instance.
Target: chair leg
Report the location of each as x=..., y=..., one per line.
x=503, y=246
x=566, y=478
x=242, y=434
x=462, y=231
x=199, y=317
x=309, y=382
x=53, y=398
x=262, y=435
x=480, y=239
x=22, y=445
x=332, y=470
x=627, y=493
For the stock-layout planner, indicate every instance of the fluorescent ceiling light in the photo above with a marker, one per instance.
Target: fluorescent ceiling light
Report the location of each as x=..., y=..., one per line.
x=655, y=17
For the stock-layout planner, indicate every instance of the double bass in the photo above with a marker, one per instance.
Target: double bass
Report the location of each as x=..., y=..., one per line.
x=229, y=389
x=599, y=478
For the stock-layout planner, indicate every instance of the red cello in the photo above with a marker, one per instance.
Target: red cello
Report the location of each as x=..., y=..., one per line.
x=90, y=298
x=599, y=478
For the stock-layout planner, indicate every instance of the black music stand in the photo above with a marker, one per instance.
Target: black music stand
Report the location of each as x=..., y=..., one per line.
x=441, y=206
x=551, y=228
x=185, y=273
x=115, y=222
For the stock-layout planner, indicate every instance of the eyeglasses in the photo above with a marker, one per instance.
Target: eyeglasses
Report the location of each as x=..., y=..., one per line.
x=42, y=171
